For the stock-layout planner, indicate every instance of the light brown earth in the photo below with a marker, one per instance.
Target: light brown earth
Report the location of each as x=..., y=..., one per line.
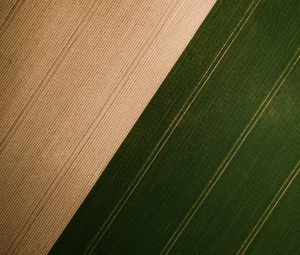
x=75, y=76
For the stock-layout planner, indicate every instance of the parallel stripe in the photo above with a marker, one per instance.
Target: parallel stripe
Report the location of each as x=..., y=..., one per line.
x=172, y=126
x=10, y=17
x=231, y=154
x=47, y=78
x=262, y=220
x=91, y=129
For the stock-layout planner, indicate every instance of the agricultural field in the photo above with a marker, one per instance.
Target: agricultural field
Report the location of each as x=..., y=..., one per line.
x=212, y=165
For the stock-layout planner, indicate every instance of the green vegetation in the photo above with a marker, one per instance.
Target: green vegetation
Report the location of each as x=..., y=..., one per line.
x=211, y=166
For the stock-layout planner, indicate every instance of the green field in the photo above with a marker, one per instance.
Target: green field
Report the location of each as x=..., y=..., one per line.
x=212, y=165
